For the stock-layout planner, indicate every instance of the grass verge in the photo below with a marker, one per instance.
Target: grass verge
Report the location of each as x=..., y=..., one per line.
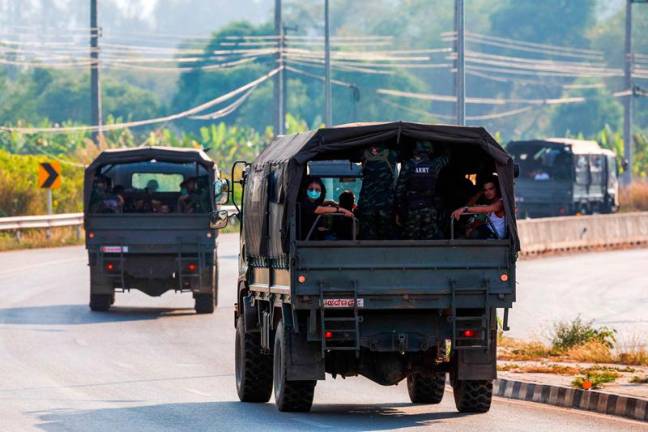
x=38, y=238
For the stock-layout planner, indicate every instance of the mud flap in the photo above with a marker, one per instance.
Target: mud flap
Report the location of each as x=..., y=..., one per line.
x=477, y=364
x=305, y=361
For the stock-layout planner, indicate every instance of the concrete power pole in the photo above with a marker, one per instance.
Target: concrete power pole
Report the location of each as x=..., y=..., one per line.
x=627, y=100
x=328, y=93
x=95, y=87
x=460, y=78
x=279, y=92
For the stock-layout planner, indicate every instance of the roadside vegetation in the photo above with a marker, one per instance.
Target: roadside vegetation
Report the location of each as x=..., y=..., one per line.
x=634, y=197
x=31, y=239
x=592, y=355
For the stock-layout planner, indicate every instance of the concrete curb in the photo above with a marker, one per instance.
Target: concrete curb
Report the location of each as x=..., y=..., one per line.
x=588, y=400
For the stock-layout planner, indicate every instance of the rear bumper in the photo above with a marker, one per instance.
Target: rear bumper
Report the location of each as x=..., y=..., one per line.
x=152, y=274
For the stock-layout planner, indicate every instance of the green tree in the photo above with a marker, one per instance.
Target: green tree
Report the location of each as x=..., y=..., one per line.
x=560, y=22
x=600, y=109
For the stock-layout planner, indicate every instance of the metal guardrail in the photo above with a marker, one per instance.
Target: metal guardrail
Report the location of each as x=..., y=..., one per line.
x=54, y=221
x=38, y=222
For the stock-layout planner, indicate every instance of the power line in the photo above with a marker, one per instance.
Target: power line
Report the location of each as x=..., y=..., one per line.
x=491, y=101
x=117, y=126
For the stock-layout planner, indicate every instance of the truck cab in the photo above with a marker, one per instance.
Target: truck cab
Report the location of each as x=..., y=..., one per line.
x=387, y=309
x=151, y=218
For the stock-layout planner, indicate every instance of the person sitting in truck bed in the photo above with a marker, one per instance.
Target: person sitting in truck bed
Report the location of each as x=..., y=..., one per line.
x=493, y=226
x=192, y=197
x=343, y=227
x=312, y=206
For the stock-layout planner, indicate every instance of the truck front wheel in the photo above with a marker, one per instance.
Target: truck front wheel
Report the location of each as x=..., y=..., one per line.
x=296, y=396
x=426, y=388
x=253, y=368
x=473, y=396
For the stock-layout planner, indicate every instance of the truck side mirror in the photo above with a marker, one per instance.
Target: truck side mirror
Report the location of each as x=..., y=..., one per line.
x=221, y=191
x=220, y=219
x=516, y=170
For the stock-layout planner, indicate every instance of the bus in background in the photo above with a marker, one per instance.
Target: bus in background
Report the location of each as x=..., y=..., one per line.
x=562, y=177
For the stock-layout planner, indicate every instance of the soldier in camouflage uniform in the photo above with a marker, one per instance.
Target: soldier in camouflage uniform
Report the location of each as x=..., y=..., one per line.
x=376, y=202
x=417, y=200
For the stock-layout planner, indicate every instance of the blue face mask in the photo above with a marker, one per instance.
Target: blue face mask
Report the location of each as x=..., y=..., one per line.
x=313, y=194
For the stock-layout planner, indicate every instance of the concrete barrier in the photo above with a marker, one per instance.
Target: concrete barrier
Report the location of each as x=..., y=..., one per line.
x=582, y=232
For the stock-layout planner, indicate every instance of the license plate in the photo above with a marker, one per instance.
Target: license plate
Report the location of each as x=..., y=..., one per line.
x=342, y=303
x=114, y=249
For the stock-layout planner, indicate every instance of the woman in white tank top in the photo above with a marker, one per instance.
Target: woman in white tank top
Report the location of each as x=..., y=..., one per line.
x=494, y=210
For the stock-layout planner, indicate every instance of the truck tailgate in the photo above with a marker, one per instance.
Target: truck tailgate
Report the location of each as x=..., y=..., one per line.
x=408, y=274
x=149, y=233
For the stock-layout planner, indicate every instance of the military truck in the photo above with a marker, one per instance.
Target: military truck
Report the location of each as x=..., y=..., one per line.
x=151, y=217
x=561, y=177
x=389, y=310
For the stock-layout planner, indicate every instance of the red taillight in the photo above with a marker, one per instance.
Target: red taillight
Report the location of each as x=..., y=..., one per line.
x=301, y=279
x=469, y=333
x=504, y=277
x=91, y=235
x=192, y=267
x=328, y=335
x=110, y=267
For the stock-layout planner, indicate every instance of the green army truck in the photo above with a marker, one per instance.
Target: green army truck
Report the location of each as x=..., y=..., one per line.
x=564, y=177
x=151, y=217
x=390, y=310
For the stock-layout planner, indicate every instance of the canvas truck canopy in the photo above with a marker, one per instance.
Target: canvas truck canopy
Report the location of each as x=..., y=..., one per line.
x=276, y=176
x=144, y=154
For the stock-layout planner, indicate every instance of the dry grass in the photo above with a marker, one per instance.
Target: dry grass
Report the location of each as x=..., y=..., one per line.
x=513, y=349
x=632, y=351
x=30, y=239
x=637, y=358
x=553, y=369
x=635, y=197
x=639, y=380
x=590, y=352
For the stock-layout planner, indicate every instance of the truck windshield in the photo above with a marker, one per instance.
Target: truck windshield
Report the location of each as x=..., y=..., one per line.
x=151, y=187
x=542, y=162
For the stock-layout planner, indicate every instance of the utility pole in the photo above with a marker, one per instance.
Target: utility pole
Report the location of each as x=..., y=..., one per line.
x=95, y=87
x=328, y=93
x=279, y=79
x=627, y=100
x=460, y=77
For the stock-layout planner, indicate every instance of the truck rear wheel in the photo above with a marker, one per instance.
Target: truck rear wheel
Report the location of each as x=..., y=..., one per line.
x=101, y=302
x=473, y=396
x=426, y=388
x=296, y=396
x=253, y=368
x=205, y=303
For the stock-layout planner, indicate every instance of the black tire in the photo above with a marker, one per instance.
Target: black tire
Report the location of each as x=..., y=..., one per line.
x=473, y=396
x=293, y=396
x=426, y=388
x=253, y=368
x=205, y=303
x=101, y=302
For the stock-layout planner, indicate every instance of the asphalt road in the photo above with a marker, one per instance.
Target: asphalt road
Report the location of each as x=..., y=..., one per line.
x=151, y=364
